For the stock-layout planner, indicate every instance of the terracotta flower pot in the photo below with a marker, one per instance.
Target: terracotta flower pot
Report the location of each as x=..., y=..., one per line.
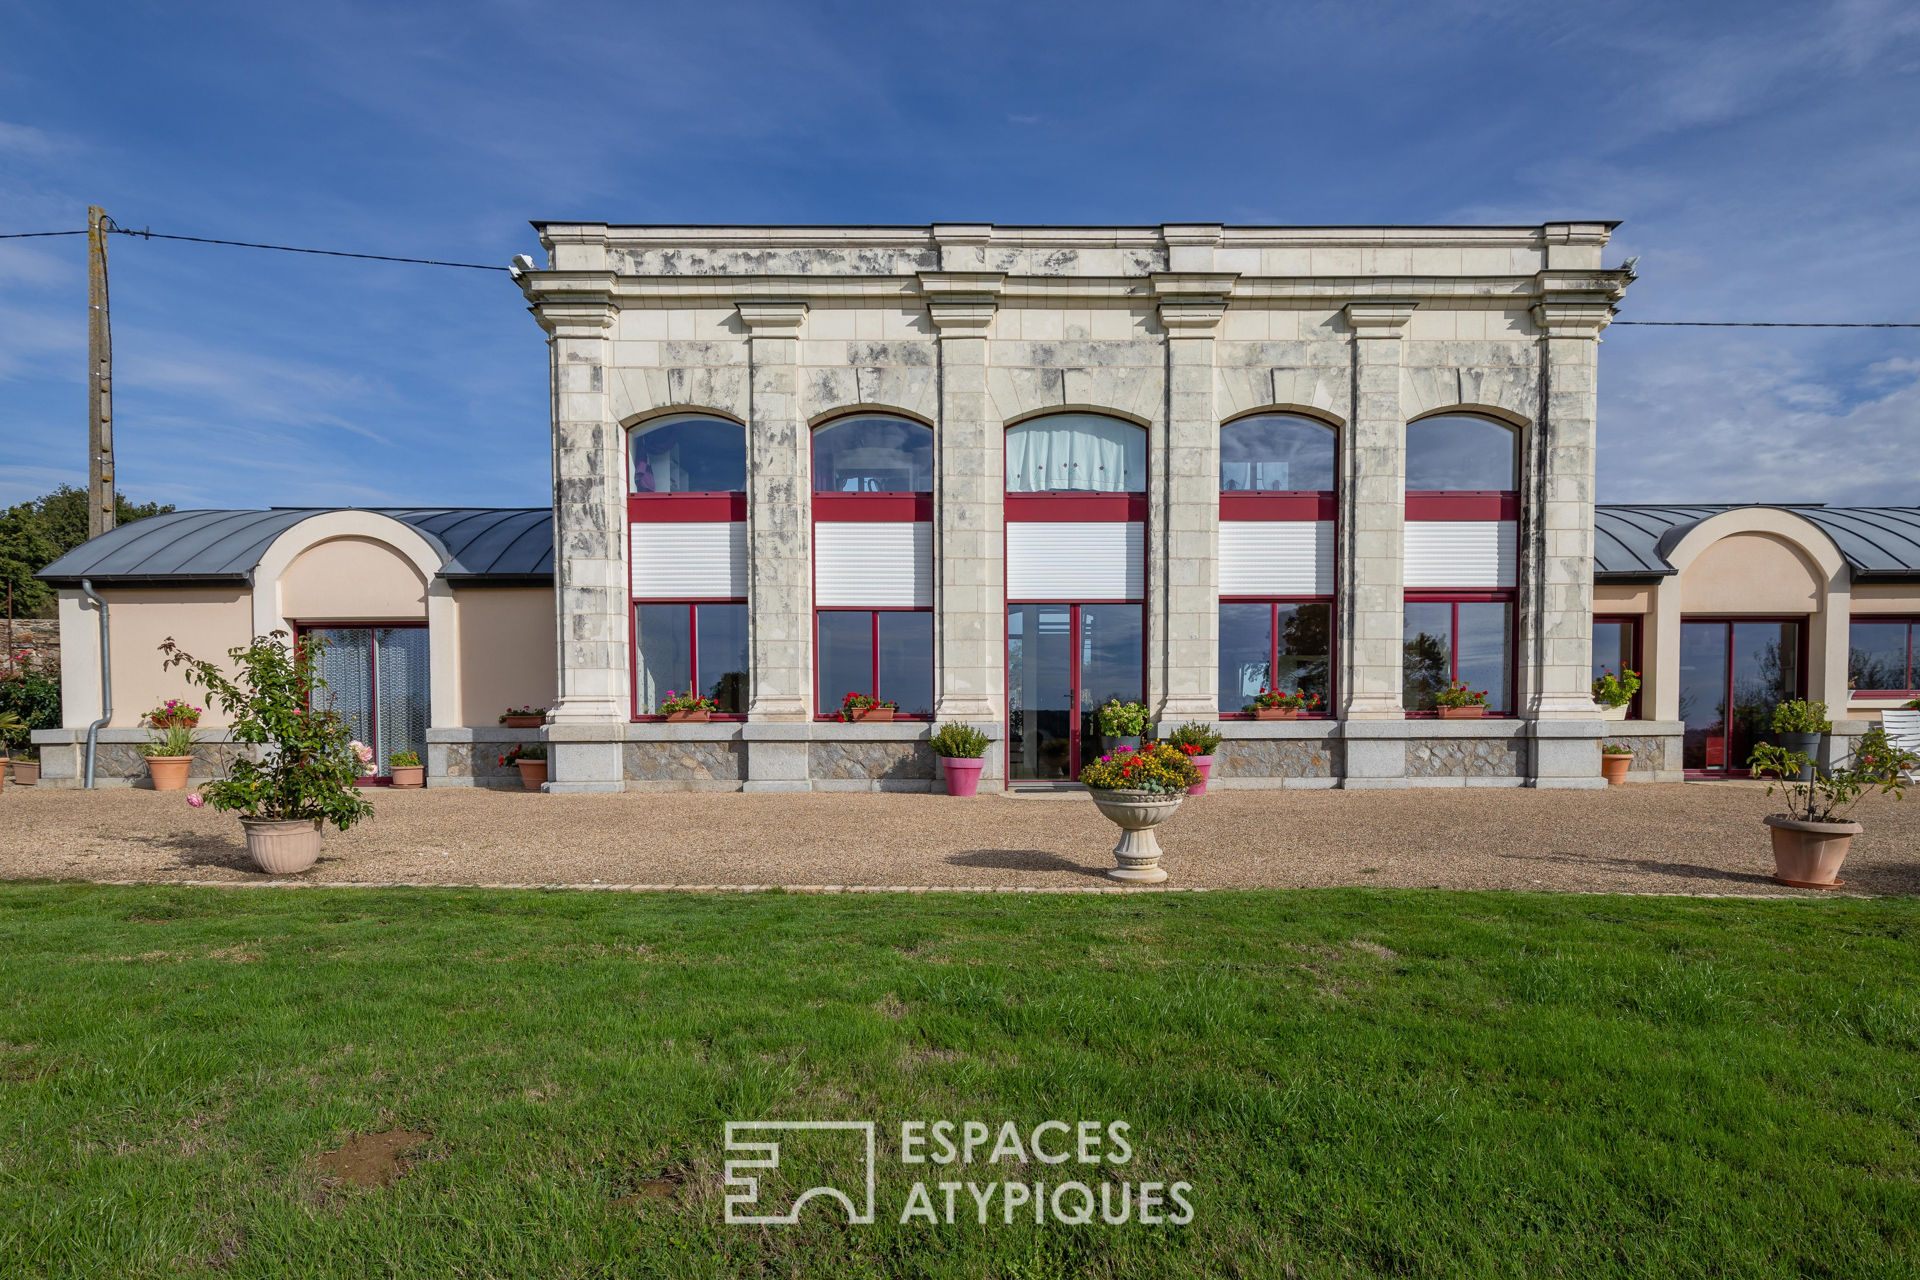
x=963, y=774
x=26, y=772
x=688, y=717
x=1137, y=813
x=282, y=847
x=1614, y=767
x=524, y=722
x=169, y=773
x=878, y=715
x=1204, y=764
x=409, y=777
x=533, y=773
x=1276, y=713
x=1462, y=713
x=1807, y=855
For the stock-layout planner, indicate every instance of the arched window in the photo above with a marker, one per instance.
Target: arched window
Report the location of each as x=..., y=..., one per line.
x=1461, y=559
x=1276, y=453
x=1076, y=452
x=689, y=453
x=873, y=563
x=1462, y=453
x=870, y=453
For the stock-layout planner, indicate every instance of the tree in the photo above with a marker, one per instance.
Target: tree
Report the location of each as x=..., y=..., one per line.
x=34, y=534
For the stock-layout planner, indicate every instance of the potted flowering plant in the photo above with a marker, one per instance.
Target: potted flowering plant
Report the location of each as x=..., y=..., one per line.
x=687, y=708
x=1800, y=725
x=1811, y=839
x=169, y=754
x=1280, y=704
x=303, y=772
x=523, y=717
x=962, y=750
x=1615, y=758
x=369, y=775
x=407, y=771
x=1196, y=742
x=532, y=760
x=1458, y=702
x=1137, y=791
x=864, y=706
x=1123, y=724
x=1615, y=693
x=172, y=714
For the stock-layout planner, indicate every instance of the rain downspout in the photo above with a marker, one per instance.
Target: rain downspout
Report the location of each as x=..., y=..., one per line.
x=106, y=679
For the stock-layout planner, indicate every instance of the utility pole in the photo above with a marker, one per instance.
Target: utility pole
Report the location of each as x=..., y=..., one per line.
x=100, y=490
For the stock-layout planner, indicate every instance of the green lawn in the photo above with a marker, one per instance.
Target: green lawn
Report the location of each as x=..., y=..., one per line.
x=1354, y=1083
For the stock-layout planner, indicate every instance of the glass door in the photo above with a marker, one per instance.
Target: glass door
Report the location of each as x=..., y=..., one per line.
x=376, y=680
x=1732, y=675
x=1063, y=662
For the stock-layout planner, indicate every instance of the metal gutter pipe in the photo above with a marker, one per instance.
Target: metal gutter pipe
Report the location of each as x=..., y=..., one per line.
x=106, y=678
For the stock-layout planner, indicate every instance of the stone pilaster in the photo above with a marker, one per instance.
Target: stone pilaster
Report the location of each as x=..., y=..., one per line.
x=969, y=591
x=779, y=541
x=1183, y=539
x=1373, y=482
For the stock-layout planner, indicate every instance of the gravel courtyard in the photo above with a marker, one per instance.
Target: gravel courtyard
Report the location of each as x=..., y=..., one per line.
x=1680, y=838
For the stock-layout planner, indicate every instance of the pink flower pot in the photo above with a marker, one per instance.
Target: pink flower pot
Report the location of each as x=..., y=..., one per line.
x=963, y=776
x=1203, y=764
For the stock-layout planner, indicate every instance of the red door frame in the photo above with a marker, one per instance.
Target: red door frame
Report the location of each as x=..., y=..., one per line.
x=302, y=629
x=1802, y=622
x=1075, y=756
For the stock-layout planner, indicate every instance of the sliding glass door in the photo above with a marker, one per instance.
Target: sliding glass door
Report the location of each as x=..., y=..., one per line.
x=376, y=680
x=1732, y=675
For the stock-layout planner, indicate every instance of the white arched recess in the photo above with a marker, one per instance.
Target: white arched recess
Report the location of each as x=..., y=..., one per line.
x=443, y=628
x=1826, y=627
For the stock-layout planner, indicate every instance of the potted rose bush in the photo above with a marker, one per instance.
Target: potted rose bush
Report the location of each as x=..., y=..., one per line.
x=962, y=750
x=1615, y=759
x=1458, y=702
x=1196, y=742
x=1811, y=839
x=1282, y=704
x=864, y=706
x=1137, y=791
x=407, y=771
x=531, y=758
x=687, y=708
x=301, y=772
x=1614, y=693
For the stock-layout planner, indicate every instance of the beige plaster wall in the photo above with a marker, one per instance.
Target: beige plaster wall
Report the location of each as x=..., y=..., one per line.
x=1886, y=599
x=1751, y=573
x=352, y=579
x=205, y=621
x=507, y=654
x=1616, y=600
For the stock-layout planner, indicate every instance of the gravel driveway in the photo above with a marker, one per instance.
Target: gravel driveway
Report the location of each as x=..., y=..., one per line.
x=1679, y=838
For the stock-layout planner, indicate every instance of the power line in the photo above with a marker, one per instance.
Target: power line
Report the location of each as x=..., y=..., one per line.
x=29, y=235
x=287, y=248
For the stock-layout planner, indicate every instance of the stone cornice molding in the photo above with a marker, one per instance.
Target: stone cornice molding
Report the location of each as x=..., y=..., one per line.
x=1572, y=319
x=772, y=319
x=1594, y=234
x=1379, y=319
x=1192, y=302
x=962, y=303
x=576, y=317
x=1609, y=285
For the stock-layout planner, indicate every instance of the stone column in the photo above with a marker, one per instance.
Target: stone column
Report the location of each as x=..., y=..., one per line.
x=969, y=584
x=590, y=551
x=1373, y=504
x=1184, y=539
x=779, y=542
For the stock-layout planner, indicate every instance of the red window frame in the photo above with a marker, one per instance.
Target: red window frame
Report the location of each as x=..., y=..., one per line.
x=1912, y=622
x=820, y=710
x=693, y=652
x=1803, y=623
x=1332, y=699
x=1510, y=598
x=300, y=633
x=1638, y=622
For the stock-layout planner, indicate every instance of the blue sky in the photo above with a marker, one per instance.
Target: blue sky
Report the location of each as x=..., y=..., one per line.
x=1762, y=157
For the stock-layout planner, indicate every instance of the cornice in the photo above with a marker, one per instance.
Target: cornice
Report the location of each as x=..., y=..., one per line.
x=1380, y=319
x=773, y=318
x=1572, y=319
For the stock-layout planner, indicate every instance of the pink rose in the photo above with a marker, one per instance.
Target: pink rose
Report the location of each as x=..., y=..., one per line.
x=196, y=799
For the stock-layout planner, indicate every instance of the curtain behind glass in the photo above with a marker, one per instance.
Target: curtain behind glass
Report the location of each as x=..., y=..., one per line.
x=400, y=658
x=1076, y=451
x=343, y=659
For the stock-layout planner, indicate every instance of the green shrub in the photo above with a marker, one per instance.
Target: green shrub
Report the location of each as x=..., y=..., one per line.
x=404, y=760
x=1796, y=716
x=1610, y=690
x=1194, y=734
x=1123, y=719
x=958, y=742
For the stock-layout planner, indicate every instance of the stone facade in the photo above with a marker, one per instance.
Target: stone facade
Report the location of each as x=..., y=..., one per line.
x=973, y=327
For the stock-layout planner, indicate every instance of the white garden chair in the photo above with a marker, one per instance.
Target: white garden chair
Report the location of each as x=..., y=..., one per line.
x=1903, y=730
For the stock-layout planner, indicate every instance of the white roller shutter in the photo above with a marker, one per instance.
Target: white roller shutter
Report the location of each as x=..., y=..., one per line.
x=1460, y=553
x=1276, y=557
x=1071, y=560
x=873, y=564
x=673, y=561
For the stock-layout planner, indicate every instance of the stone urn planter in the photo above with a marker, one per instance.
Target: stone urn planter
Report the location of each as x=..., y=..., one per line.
x=409, y=777
x=1205, y=765
x=533, y=773
x=963, y=774
x=1136, y=813
x=1463, y=713
x=169, y=773
x=26, y=772
x=689, y=717
x=523, y=722
x=1807, y=855
x=282, y=847
x=1614, y=765
x=1276, y=713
